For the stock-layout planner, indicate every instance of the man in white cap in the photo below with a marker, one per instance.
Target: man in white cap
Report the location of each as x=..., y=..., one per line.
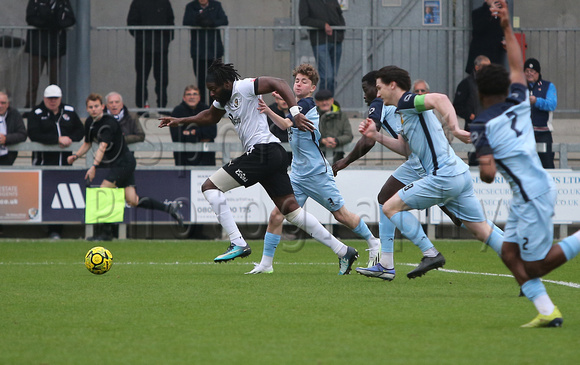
x=54, y=123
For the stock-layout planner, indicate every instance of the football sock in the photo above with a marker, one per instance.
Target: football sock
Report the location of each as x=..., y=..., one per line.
x=430, y=252
x=387, y=236
x=495, y=240
x=571, y=245
x=411, y=228
x=363, y=230
x=148, y=203
x=271, y=241
x=306, y=221
x=535, y=291
x=217, y=200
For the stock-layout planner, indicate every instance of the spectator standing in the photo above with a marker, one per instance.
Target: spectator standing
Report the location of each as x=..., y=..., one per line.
x=544, y=99
x=486, y=37
x=192, y=133
x=466, y=100
x=151, y=47
x=129, y=122
x=335, y=127
x=52, y=122
x=206, y=44
x=326, y=42
x=12, y=130
x=46, y=44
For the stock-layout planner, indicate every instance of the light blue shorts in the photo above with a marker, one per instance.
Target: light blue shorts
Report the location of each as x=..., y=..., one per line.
x=320, y=187
x=455, y=192
x=406, y=173
x=530, y=225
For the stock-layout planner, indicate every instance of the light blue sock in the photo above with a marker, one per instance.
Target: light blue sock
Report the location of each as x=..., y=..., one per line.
x=271, y=241
x=571, y=246
x=495, y=228
x=495, y=241
x=363, y=230
x=411, y=228
x=386, y=232
x=533, y=288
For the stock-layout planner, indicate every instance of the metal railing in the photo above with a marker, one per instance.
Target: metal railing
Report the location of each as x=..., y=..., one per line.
x=435, y=54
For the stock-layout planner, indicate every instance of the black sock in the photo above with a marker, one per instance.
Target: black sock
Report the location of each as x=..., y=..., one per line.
x=149, y=203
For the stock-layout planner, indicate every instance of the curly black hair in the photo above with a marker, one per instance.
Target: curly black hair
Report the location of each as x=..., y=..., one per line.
x=492, y=80
x=391, y=73
x=220, y=72
x=370, y=78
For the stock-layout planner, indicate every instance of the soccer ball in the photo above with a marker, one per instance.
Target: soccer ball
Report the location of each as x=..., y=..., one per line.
x=98, y=260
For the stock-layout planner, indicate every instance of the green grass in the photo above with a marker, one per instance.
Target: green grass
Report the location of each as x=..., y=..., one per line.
x=165, y=302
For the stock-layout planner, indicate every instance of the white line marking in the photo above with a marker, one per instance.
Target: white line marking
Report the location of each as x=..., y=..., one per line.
x=557, y=282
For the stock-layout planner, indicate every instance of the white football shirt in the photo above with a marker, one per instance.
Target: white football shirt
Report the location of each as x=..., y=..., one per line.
x=242, y=109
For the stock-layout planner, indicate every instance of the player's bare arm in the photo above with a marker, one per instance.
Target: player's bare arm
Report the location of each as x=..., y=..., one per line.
x=487, y=168
x=368, y=128
x=90, y=175
x=207, y=117
x=443, y=105
x=514, y=53
x=267, y=84
x=282, y=123
x=362, y=147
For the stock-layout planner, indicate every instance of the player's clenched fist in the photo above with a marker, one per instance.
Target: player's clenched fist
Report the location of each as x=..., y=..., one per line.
x=367, y=128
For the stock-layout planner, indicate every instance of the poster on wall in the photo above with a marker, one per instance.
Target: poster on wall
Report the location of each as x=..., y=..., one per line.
x=431, y=12
x=20, y=197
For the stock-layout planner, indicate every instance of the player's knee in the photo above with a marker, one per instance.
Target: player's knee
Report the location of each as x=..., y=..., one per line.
x=208, y=185
x=276, y=218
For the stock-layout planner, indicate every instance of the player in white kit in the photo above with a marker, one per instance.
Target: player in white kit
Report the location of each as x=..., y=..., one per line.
x=264, y=161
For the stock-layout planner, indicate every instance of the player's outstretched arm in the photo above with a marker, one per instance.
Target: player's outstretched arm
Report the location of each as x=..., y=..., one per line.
x=362, y=147
x=85, y=147
x=514, y=53
x=282, y=123
x=368, y=128
x=267, y=84
x=443, y=105
x=207, y=117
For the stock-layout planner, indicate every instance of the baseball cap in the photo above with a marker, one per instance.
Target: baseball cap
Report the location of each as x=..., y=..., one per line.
x=532, y=63
x=53, y=91
x=323, y=95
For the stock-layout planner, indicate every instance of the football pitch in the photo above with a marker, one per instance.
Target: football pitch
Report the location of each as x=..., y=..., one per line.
x=166, y=302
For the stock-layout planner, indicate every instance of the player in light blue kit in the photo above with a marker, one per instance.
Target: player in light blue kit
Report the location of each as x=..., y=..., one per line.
x=504, y=140
x=447, y=180
x=311, y=175
x=387, y=118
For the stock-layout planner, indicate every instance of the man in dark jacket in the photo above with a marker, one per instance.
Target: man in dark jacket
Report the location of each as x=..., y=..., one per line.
x=486, y=38
x=151, y=47
x=466, y=101
x=53, y=122
x=543, y=99
x=191, y=133
x=46, y=44
x=326, y=42
x=12, y=130
x=206, y=44
x=129, y=122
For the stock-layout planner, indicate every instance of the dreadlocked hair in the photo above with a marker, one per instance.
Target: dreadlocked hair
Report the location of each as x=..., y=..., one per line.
x=220, y=72
x=492, y=79
x=389, y=74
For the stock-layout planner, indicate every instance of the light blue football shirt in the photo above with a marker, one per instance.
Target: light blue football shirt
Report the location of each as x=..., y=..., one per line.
x=506, y=131
x=307, y=159
x=424, y=133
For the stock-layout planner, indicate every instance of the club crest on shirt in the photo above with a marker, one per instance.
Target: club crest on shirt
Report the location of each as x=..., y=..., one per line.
x=65, y=117
x=236, y=102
